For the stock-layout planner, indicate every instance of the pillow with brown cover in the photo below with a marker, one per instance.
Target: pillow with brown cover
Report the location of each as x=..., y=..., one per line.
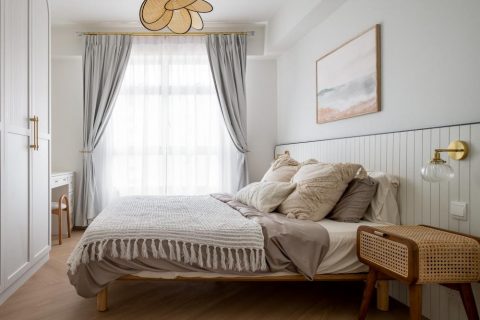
x=354, y=202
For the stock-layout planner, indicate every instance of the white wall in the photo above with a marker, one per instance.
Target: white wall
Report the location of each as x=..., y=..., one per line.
x=67, y=95
x=430, y=68
x=67, y=114
x=261, y=115
x=292, y=21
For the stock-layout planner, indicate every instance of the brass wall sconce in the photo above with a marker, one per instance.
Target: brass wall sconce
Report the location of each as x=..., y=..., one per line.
x=437, y=169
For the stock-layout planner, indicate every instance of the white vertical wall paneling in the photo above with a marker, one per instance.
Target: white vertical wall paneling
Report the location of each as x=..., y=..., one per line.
x=362, y=150
x=378, y=153
x=454, y=185
x=383, y=154
x=373, y=141
x=358, y=154
x=418, y=195
x=435, y=188
x=390, y=151
x=367, y=153
x=403, y=154
x=411, y=178
x=444, y=187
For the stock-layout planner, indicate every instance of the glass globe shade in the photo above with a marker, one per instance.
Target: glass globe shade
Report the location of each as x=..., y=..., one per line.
x=437, y=172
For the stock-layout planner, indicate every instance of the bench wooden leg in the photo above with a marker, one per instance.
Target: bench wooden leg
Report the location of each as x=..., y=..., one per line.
x=367, y=293
x=415, y=292
x=468, y=300
x=102, y=300
x=382, y=295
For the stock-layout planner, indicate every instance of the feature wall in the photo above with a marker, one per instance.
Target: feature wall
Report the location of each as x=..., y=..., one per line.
x=430, y=68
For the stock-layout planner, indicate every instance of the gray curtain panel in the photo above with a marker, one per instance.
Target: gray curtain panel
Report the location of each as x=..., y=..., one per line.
x=228, y=61
x=104, y=64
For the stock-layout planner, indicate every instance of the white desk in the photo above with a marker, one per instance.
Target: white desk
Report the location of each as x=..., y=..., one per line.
x=63, y=183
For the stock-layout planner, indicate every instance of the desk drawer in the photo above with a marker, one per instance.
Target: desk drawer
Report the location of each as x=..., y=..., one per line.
x=63, y=180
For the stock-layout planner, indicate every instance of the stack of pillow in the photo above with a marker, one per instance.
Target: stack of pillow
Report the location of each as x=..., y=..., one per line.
x=313, y=191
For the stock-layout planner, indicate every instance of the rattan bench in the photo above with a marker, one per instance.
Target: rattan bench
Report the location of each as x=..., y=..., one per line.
x=418, y=255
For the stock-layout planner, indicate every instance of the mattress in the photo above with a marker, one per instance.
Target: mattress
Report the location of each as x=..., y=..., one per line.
x=341, y=256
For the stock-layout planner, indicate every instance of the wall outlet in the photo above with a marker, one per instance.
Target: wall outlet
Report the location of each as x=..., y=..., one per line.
x=458, y=210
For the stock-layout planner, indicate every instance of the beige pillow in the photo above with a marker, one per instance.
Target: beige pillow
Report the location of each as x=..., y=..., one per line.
x=282, y=169
x=265, y=196
x=384, y=206
x=319, y=187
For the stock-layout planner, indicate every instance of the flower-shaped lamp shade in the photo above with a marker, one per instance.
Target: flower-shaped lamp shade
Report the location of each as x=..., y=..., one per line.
x=178, y=15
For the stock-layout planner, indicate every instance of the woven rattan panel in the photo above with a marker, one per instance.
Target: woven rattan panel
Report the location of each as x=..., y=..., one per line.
x=389, y=254
x=443, y=256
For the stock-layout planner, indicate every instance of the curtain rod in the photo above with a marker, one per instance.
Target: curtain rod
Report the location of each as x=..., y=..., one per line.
x=160, y=34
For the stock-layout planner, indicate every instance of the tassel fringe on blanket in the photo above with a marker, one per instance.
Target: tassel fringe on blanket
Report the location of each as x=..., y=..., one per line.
x=227, y=259
x=194, y=230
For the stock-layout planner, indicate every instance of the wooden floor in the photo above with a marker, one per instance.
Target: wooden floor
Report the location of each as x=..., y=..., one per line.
x=49, y=295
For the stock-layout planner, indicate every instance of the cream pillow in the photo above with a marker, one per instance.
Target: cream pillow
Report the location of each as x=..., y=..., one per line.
x=265, y=196
x=319, y=187
x=281, y=170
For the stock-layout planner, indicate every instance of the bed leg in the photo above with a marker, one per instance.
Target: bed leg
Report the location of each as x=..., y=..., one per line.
x=102, y=300
x=382, y=295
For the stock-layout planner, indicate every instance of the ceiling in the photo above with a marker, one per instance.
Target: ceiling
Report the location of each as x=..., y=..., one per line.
x=105, y=11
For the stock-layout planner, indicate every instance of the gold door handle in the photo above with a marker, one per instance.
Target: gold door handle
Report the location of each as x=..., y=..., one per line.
x=35, y=145
x=37, y=134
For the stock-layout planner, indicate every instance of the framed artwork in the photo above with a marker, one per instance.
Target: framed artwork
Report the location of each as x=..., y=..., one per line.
x=348, y=78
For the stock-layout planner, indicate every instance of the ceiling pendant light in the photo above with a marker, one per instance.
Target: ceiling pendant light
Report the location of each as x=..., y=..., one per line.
x=178, y=15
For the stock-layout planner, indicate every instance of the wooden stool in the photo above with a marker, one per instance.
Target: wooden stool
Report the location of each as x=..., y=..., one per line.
x=57, y=209
x=419, y=255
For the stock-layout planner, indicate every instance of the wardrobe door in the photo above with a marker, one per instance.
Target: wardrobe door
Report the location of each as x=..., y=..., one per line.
x=40, y=102
x=15, y=226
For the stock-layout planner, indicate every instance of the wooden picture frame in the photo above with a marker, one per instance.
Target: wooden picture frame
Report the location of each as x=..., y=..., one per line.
x=348, y=78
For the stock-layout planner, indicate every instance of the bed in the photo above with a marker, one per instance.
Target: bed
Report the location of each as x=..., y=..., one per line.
x=107, y=254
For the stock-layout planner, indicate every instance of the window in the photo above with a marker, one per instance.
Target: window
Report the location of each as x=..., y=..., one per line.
x=166, y=134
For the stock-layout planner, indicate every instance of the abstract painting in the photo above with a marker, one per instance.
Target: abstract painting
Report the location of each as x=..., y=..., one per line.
x=348, y=79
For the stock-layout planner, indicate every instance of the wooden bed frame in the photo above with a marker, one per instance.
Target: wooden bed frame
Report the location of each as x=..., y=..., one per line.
x=382, y=284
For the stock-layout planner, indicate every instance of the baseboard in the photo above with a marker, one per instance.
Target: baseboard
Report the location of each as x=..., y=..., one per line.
x=21, y=281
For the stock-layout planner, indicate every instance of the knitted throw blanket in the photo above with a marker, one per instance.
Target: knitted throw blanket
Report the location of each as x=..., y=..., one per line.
x=196, y=230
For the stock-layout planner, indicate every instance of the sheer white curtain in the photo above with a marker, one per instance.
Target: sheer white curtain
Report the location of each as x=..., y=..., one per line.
x=166, y=134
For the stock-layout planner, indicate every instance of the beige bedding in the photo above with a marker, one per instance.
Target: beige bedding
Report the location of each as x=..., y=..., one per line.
x=290, y=245
x=341, y=257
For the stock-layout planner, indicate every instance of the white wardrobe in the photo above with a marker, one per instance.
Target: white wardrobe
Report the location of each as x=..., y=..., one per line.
x=25, y=141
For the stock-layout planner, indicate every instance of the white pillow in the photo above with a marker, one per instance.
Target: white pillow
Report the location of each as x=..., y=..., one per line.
x=265, y=196
x=384, y=206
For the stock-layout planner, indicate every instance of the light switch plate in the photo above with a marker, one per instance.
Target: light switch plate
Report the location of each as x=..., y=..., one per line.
x=458, y=210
